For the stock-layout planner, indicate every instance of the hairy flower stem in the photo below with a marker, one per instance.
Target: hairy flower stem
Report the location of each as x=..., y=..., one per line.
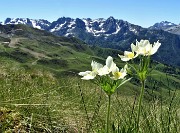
x=140, y=102
x=108, y=114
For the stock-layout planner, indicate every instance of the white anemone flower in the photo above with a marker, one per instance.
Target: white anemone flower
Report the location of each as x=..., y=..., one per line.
x=145, y=48
x=129, y=55
x=110, y=65
x=119, y=74
x=87, y=75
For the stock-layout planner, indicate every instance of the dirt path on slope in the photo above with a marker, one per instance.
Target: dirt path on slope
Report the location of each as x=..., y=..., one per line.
x=35, y=54
x=13, y=44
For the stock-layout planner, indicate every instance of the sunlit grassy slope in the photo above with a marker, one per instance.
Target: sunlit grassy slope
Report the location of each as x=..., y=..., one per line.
x=39, y=82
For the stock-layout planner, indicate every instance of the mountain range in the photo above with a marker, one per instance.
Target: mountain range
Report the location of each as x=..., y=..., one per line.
x=97, y=26
x=112, y=33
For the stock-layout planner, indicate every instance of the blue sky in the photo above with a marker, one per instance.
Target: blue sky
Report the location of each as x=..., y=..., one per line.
x=140, y=12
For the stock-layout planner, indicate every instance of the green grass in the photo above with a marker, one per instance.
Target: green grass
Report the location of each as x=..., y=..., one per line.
x=68, y=104
x=45, y=93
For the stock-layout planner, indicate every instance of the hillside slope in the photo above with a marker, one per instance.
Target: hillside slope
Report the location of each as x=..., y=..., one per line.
x=34, y=48
x=39, y=82
x=38, y=48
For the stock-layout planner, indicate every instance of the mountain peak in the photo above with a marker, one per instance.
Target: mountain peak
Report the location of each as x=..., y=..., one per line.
x=35, y=23
x=63, y=19
x=111, y=17
x=163, y=25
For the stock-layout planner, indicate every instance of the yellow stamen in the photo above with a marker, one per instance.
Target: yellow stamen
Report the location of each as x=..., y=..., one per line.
x=130, y=55
x=117, y=74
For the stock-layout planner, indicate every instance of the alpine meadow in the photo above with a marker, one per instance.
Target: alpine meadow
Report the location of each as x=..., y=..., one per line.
x=89, y=76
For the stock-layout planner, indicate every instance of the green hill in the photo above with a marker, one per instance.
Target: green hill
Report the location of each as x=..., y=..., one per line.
x=39, y=82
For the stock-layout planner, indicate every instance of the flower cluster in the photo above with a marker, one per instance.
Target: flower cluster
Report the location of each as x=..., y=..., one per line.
x=109, y=74
x=145, y=50
x=141, y=48
x=109, y=69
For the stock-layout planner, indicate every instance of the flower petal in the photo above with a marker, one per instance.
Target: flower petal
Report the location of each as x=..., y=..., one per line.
x=133, y=48
x=109, y=61
x=103, y=71
x=155, y=47
x=95, y=66
x=88, y=77
x=84, y=73
x=124, y=58
x=110, y=64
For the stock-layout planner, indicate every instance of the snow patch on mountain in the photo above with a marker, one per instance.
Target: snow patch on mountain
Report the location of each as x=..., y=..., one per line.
x=35, y=23
x=57, y=27
x=15, y=21
x=165, y=23
x=99, y=27
x=117, y=29
x=133, y=30
x=72, y=24
x=94, y=26
x=174, y=29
